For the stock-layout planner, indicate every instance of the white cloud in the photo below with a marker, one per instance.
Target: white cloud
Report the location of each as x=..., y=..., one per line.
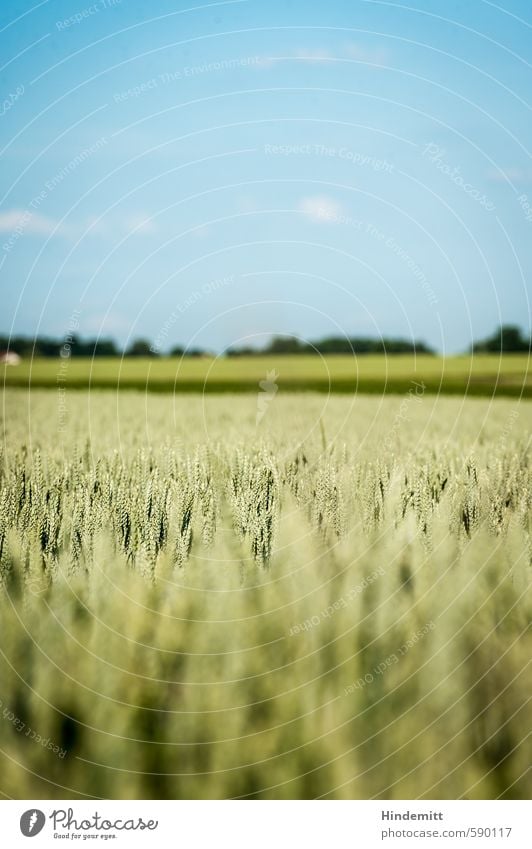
x=247, y=203
x=313, y=54
x=111, y=227
x=26, y=221
x=140, y=223
x=95, y=226
x=321, y=208
x=18, y=222
x=513, y=175
x=372, y=55
x=264, y=63
x=201, y=232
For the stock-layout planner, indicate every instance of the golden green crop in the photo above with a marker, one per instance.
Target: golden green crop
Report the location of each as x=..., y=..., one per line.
x=294, y=597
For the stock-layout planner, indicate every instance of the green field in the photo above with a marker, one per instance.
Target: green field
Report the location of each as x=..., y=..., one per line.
x=305, y=597
x=479, y=375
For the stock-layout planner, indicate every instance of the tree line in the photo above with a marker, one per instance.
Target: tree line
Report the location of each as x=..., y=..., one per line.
x=506, y=339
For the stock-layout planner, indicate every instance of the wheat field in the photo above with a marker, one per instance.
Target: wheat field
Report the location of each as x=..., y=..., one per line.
x=283, y=596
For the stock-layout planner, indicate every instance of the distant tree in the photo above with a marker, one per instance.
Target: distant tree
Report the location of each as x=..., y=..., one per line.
x=507, y=338
x=77, y=346
x=369, y=345
x=93, y=348
x=42, y=346
x=285, y=345
x=195, y=352
x=140, y=348
x=104, y=348
x=405, y=346
x=245, y=351
x=30, y=346
x=335, y=345
x=45, y=347
x=178, y=351
x=512, y=340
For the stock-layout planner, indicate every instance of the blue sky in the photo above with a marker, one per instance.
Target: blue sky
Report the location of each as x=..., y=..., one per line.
x=211, y=174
